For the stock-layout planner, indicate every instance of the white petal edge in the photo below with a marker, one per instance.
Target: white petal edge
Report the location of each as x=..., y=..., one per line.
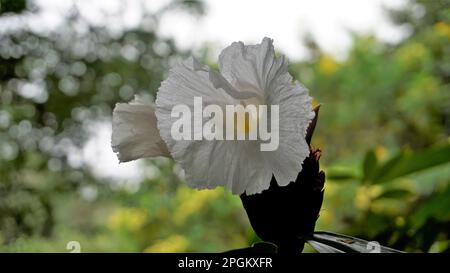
x=134, y=132
x=295, y=116
x=251, y=67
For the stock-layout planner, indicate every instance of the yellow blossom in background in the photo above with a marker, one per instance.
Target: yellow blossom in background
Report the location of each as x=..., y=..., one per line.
x=132, y=219
x=443, y=28
x=327, y=65
x=315, y=102
x=399, y=221
x=365, y=195
x=191, y=201
x=412, y=55
x=381, y=152
x=173, y=243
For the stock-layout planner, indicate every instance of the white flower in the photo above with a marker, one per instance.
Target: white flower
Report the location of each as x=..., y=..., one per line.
x=248, y=75
x=134, y=131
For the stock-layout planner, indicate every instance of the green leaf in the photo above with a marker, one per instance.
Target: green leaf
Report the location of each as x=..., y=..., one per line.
x=327, y=242
x=395, y=193
x=435, y=206
x=342, y=173
x=369, y=165
x=404, y=164
x=386, y=167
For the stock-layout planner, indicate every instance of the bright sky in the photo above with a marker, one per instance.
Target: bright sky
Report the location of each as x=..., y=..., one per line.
x=285, y=21
x=329, y=21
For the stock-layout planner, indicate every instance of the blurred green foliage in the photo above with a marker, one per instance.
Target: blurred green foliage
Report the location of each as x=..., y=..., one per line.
x=384, y=129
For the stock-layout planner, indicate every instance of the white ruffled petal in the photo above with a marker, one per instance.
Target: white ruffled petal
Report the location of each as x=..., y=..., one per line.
x=295, y=115
x=246, y=72
x=255, y=68
x=134, y=132
x=251, y=67
x=236, y=165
